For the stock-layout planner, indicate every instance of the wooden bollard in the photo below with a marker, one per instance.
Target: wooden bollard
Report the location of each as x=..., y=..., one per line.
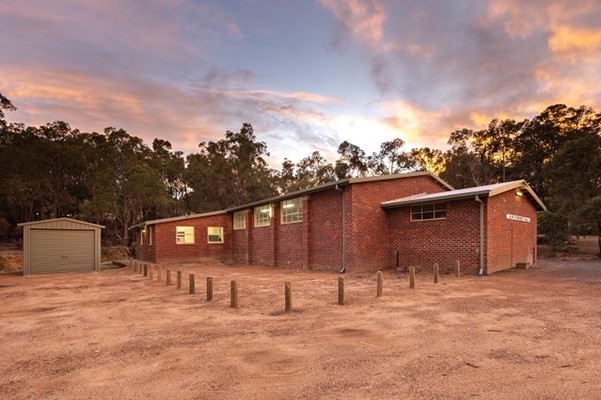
x=411, y=277
x=168, y=277
x=131, y=263
x=458, y=269
x=150, y=274
x=379, y=285
x=145, y=269
x=340, y=291
x=192, y=284
x=436, y=271
x=209, y=288
x=179, y=279
x=287, y=296
x=135, y=266
x=159, y=278
x=234, y=302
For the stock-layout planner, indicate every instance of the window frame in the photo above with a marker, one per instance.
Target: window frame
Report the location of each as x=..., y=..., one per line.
x=239, y=215
x=266, y=221
x=428, y=211
x=150, y=235
x=220, y=234
x=186, y=234
x=291, y=211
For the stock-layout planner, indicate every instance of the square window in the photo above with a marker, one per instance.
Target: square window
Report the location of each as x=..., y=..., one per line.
x=184, y=234
x=292, y=210
x=215, y=234
x=240, y=220
x=263, y=215
x=427, y=212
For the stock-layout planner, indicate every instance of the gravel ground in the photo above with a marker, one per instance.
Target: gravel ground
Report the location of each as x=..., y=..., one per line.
x=522, y=334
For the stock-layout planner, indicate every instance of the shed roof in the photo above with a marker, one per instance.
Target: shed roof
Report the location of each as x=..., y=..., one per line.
x=57, y=222
x=486, y=190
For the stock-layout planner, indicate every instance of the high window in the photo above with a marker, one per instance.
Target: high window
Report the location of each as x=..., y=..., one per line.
x=426, y=212
x=150, y=235
x=215, y=234
x=184, y=234
x=263, y=215
x=240, y=220
x=292, y=210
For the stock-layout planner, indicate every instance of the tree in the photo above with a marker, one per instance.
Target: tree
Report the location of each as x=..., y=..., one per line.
x=574, y=181
x=351, y=162
x=229, y=172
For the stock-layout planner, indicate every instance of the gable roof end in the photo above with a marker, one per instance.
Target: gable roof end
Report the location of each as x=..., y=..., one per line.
x=486, y=190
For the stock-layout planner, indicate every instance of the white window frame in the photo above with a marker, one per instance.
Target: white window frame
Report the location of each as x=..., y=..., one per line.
x=150, y=235
x=186, y=233
x=291, y=211
x=428, y=212
x=215, y=231
x=262, y=215
x=239, y=220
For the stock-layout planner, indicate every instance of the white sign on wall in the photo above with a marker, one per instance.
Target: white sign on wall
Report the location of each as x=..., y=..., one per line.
x=518, y=218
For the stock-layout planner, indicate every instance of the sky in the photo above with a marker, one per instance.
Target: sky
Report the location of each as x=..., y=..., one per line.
x=307, y=74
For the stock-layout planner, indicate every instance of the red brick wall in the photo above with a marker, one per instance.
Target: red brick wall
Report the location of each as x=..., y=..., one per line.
x=420, y=244
x=510, y=242
x=241, y=240
x=166, y=247
x=325, y=230
x=261, y=247
x=292, y=241
x=367, y=244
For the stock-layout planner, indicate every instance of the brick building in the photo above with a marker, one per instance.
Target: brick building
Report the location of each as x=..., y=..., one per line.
x=354, y=224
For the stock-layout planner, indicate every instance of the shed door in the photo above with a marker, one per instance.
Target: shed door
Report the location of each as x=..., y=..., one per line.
x=61, y=250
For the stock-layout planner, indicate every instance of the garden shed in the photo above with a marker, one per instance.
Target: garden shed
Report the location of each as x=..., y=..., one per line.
x=60, y=245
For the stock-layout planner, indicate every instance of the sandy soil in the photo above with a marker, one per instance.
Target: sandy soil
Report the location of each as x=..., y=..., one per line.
x=523, y=334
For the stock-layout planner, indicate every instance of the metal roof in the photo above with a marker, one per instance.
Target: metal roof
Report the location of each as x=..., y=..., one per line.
x=487, y=190
x=341, y=182
x=62, y=219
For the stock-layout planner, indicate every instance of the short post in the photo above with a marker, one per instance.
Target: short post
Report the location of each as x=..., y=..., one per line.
x=145, y=269
x=135, y=266
x=192, y=284
x=179, y=279
x=168, y=278
x=458, y=269
x=142, y=269
x=234, y=302
x=340, y=290
x=209, y=288
x=288, y=296
x=131, y=263
x=436, y=272
x=379, y=286
x=150, y=274
x=411, y=277
x=159, y=278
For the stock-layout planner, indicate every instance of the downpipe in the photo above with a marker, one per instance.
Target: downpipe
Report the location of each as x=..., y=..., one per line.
x=479, y=200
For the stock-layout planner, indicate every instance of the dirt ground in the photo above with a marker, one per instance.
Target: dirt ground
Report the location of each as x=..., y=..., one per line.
x=523, y=334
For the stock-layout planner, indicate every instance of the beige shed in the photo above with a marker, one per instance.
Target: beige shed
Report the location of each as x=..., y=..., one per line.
x=60, y=245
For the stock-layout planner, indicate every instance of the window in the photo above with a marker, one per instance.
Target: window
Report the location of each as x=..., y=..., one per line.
x=263, y=215
x=215, y=234
x=184, y=234
x=429, y=212
x=142, y=231
x=292, y=210
x=150, y=235
x=240, y=220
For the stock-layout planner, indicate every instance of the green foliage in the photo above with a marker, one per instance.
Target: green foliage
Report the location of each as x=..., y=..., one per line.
x=555, y=230
x=115, y=179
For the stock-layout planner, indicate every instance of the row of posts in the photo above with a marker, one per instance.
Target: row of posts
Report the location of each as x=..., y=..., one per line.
x=143, y=269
